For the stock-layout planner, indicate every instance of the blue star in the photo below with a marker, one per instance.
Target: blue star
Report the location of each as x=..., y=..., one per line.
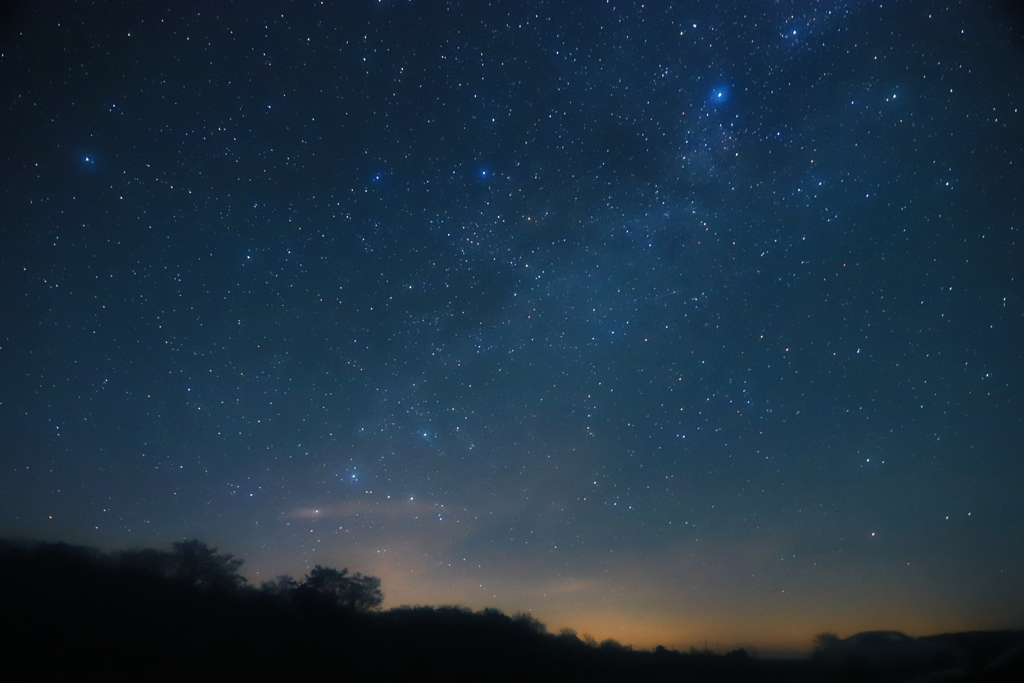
x=719, y=95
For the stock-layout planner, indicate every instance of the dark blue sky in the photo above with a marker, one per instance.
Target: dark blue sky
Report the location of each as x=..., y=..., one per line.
x=673, y=323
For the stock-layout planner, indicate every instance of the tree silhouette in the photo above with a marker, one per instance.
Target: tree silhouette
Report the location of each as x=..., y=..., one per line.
x=357, y=592
x=329, y=581
x=281, y=585
x=197, y=564
x=147, y=561
x=128, y=612
x=569, y=634
x=365, y=594
x=530, y=623
x=822, y=642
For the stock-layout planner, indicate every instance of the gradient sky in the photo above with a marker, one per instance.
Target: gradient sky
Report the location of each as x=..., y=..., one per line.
x=674, y=323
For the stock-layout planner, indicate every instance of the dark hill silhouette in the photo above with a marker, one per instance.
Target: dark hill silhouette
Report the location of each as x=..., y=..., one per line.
x=156, y=615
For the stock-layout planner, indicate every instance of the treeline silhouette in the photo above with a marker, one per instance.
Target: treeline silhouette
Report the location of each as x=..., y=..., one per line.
x=154, y=615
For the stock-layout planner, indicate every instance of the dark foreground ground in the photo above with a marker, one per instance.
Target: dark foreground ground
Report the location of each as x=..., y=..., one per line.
x=68, y=609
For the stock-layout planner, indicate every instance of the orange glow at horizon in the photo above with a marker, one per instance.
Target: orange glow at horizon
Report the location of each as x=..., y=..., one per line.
x=672, y=598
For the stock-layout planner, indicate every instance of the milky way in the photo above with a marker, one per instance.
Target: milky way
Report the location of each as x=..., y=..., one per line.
x=671, y=323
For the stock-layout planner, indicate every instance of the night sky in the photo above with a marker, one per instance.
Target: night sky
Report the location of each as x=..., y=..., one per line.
x=674, y=323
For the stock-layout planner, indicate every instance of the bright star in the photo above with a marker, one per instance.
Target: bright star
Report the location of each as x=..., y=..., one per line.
x=719, y=95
